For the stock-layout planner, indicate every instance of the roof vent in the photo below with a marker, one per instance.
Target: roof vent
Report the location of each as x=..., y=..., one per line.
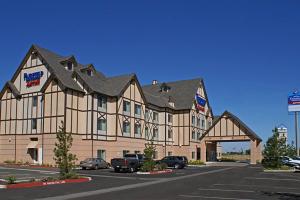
x=154, y=82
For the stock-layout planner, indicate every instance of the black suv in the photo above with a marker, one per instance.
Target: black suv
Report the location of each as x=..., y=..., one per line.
x=184, y=159
x=173, y=161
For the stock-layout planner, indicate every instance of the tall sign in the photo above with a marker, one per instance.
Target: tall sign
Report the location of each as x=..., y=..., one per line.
x=294, y=106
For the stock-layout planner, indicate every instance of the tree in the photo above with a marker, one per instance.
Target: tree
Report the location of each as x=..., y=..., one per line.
x=149, y=151
x=274, y=149
x=63, y=158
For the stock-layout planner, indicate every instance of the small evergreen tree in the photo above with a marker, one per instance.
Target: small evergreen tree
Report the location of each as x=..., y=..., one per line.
x=63, y=158
x=149, y=151
x=274, y=149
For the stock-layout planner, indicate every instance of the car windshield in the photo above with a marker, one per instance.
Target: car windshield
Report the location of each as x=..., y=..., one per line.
x=88, y=160
x=296, y=158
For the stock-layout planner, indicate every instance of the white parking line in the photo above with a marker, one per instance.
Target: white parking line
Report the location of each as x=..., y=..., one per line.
x=209, y=197
x=260, y=186
x=224, y=190
x=274, y=179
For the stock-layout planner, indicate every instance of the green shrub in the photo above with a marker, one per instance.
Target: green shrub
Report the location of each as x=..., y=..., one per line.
x=11, y=179
x=70, y=175
x=161, y=166
x=148, y=166
x=196, y=162
x=9, y=161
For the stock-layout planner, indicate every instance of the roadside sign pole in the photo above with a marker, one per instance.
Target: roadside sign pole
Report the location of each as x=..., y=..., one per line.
x=296, y=132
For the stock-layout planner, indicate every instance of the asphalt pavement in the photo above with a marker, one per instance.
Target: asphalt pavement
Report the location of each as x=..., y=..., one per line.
x=214, y=182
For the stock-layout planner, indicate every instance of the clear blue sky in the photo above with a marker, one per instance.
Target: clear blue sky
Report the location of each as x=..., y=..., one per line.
x=248, y=52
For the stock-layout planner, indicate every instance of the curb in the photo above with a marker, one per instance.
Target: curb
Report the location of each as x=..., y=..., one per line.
x=156, y=172
x=281, y=171
x=39, y=183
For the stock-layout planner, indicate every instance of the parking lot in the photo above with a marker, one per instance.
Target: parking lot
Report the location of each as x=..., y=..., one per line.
x=214, y=182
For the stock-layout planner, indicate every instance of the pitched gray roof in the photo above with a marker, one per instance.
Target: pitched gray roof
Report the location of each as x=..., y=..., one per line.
x=181, y=92
x=249, y=131
x=111, y=86
x=54, y=62
x=13, y=89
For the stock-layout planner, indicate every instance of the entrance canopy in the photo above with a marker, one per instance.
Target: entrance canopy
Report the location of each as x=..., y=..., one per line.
x=32, y=144
x=229, y=127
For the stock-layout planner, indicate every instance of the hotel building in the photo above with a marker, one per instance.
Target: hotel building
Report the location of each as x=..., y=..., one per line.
x=107, y=116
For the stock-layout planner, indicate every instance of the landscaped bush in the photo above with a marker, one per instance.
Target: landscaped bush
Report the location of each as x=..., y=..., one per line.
x=161, y=166
x=148, y=166
x=11, y=180
x=9, y=161
x=196, y=162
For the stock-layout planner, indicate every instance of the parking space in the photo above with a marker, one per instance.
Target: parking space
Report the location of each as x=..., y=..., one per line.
x=25, y=174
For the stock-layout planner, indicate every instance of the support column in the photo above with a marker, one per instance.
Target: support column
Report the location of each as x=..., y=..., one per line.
x=203, y=151
x=255, y=152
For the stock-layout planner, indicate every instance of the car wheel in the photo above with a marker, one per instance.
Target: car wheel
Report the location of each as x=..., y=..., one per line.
x=83, y=168
x=131, y=170
x=177, y=166
x=117, y=170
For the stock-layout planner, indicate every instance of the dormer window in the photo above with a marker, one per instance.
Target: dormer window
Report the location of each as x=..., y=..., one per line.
x=164, y=87
x=70, y=66
x=89, y=72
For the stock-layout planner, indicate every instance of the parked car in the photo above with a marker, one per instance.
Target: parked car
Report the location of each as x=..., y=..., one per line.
x=290, y=161
x=184, y=159
x=93, y=163
x=130, y=162
x=174, y=162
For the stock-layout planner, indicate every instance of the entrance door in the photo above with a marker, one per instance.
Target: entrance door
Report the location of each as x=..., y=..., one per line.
x=198, y=153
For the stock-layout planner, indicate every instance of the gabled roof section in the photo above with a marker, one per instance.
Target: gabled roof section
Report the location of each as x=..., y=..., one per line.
x=12, y=87
x=181, y=92
x=235, y=119
x=55, y=66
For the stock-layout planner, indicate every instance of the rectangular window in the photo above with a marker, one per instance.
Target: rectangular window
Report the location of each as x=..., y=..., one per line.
x=126, y=127
x=137, y=109
x=101, y=154
x=101, y=124
x=137, y=129
x=34, y=101
x=125, y=152
x=193, y=135
x=170, y=118
x=155, y=133
x=102, y=102
x=126, y=107
x=169, y=153
x=193, y=120
x=147, y=117
x=155, y=116
x=198, y=121
x=203, y=123
x=198, y=136
x=70, y=66
x=193, y=155
x=33, y=124
x=170, y=134
x=146, y=133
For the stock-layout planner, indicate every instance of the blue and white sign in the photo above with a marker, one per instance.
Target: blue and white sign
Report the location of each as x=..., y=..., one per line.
x=294, y=102
x=200, y=103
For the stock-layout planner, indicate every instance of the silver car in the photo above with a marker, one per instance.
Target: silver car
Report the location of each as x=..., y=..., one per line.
x=94, y=163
